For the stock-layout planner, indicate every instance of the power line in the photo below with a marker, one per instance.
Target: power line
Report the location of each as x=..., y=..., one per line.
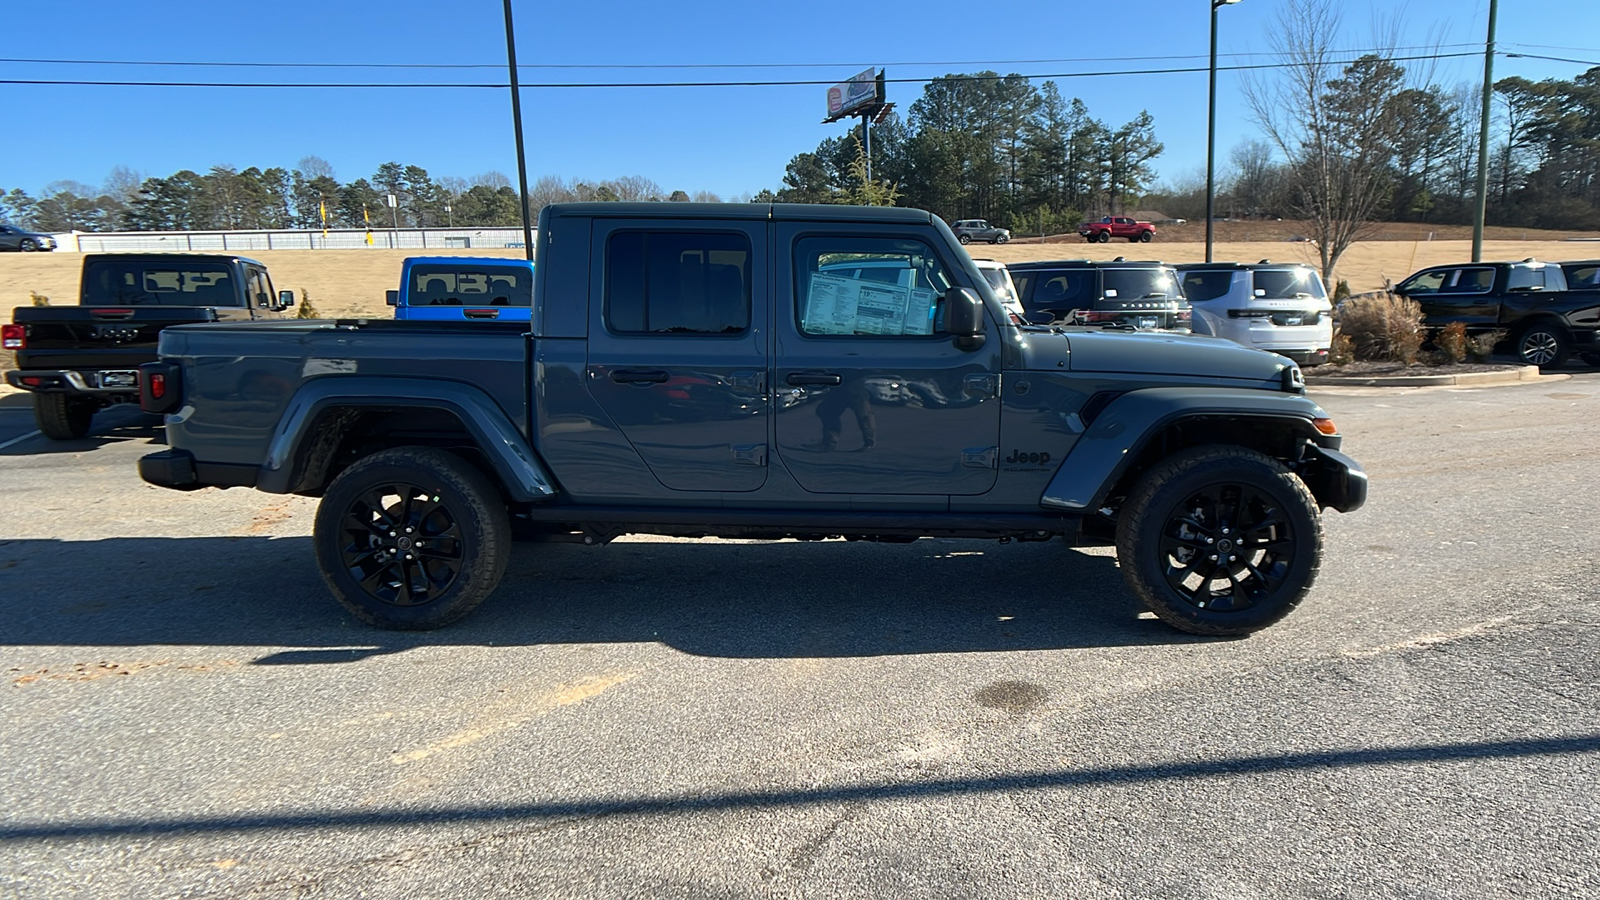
x=647, y=66
x=687, y=84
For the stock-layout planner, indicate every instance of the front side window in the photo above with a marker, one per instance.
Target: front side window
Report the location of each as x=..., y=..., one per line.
x=1200, y=286
x=1425, y=282
x=677, y=282
x=869, y=286
x=458, y=286
x=260, y=290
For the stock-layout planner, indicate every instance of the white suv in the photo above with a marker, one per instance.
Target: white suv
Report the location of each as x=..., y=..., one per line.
x=1281, y=307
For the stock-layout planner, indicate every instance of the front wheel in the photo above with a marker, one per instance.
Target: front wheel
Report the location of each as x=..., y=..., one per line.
x=1220, y=540
x=62, y=417
x=27, y=246
x=1002, y=239
x=965, y=239
x=412, y=538
x=1145, y=237
x=1543, y=344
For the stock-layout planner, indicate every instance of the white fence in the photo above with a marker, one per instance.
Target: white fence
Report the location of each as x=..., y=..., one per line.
x=333, y=239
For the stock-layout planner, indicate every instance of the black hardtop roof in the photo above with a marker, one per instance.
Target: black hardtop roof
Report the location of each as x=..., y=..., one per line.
x=1263, y=264
x=781, y=211
x=1118, y=263
x=208, y=257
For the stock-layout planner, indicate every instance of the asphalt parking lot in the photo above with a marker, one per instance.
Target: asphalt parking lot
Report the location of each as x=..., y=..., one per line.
x=188, y=713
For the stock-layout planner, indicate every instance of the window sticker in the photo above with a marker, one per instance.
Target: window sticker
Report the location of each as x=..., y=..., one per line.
x=839, y=305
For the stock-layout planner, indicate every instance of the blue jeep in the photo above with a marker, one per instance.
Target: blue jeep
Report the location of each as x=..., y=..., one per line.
x=454, y=288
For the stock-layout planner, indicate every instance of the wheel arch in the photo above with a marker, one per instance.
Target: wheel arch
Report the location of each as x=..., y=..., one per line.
x=1104, y=464
x=331, y=422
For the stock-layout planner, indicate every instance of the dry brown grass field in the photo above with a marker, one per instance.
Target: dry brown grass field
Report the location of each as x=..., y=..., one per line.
x=352, y=282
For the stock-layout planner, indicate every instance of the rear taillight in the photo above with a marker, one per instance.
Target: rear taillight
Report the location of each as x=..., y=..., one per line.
x=1096, y=315
x=14, y=337
x=158, y=385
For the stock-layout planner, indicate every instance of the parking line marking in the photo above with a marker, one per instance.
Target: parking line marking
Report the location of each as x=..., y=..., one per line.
x=18, y=440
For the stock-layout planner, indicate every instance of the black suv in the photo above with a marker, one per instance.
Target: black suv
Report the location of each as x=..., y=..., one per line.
x=1140, y=294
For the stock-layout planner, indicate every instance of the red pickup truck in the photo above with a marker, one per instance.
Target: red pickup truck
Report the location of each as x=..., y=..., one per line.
x=1117, y=226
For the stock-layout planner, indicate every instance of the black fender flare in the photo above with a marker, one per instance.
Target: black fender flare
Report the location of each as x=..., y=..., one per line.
x=1127, y=425
x=524, y=476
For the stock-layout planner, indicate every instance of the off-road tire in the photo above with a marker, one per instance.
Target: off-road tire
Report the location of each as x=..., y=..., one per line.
x=1543, y=344
x=1274, y=518
x=1146, y=237
x=459, y=542
x=1104, y=237
x=62, y=417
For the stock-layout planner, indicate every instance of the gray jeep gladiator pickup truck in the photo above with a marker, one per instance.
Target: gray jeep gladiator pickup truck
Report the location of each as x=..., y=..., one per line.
x=766, y=372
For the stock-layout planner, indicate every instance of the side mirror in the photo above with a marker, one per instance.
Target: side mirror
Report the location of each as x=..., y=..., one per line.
x=963, y=317
x=391, y=297
x=285, y=299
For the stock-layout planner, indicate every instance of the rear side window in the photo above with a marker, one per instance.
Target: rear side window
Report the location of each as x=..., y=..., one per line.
x=114, y=282
x=1288, y=284
x=1200, y=286
x=677, y=283
x=1545, y=278
x=482, y=286
x=1585, y=277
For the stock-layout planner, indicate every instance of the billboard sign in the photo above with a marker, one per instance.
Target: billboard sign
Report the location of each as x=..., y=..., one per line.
x=859, y=91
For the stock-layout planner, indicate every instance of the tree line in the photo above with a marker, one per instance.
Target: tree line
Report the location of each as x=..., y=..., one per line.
x=305, y=197
x=984, y=145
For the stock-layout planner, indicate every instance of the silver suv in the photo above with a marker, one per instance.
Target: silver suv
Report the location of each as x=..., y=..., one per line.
x=14, y=238
x=969, y=230
x=1281, y=307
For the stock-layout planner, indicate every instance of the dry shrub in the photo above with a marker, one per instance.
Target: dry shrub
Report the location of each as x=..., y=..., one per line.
x=1481, y=346
x=1343, y=350
x=1452, y=342
x=307, y=311
x=39, y=299
x=1383, y=327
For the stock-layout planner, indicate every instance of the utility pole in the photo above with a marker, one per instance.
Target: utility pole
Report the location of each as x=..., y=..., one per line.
x=516, y=119
x=1483, y=138
x=1211, y=128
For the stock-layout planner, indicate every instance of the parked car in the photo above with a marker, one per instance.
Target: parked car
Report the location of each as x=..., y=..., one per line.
x=827, y=404
x=999, y=278
x=969, y=230
x=1282, y=307
x=456, y=288
x=80, y=359
x=14, y=238
x=1143, y=295
x=1117, y=227
x=1528, y=300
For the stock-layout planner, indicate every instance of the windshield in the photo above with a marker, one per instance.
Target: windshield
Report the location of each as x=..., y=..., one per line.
x=1138, y=284
x=441, y=285
x=1289, y=284
x=158, y=283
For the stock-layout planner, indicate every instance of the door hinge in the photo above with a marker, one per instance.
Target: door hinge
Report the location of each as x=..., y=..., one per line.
x=750, y=454
x=980, y=457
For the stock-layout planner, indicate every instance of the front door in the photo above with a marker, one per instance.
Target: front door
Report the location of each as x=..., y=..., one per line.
x=873, y=396
x=678, y=349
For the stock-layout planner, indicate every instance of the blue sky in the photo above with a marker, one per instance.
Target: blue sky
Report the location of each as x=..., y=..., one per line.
x=730, y=140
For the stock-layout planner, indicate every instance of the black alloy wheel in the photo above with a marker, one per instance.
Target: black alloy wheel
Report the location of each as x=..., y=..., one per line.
x=412, y=537
x=1220, y=540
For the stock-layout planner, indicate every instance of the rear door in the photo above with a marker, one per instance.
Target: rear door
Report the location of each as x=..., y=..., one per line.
x=873, y=396
x=677, y=347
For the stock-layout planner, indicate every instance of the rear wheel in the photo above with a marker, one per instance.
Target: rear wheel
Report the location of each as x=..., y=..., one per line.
x=62, y=417
x=1220, y=540
x=412, y=538
x=1104, y=237
x=1543, y=344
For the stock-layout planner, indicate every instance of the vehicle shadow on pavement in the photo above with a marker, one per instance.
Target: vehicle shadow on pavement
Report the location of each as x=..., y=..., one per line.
x=710, y=598
x=109, y=427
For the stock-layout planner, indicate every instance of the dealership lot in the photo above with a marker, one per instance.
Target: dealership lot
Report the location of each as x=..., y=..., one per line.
x=188, y=713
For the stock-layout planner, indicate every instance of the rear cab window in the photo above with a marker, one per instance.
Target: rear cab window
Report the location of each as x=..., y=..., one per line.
x=442, y=285
x=118, y=282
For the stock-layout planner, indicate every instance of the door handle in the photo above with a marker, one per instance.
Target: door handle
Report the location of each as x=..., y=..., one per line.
x=804, y=379
x=639, y=376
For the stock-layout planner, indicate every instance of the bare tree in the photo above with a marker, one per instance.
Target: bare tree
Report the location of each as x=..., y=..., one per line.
x=1334, y=123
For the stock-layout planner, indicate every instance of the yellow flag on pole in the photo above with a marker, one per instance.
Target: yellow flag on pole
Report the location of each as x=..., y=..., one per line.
x=368, y=219
x=322, y=208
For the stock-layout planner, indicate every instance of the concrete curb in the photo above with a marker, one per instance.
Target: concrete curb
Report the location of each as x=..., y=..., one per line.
x=1510, y=375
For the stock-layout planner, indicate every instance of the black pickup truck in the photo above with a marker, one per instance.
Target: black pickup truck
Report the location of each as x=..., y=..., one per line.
x=766, y=372
x=80, y=359
x=1530, y=301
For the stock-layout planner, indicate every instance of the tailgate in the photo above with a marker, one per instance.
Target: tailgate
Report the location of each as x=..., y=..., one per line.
x=86, y=336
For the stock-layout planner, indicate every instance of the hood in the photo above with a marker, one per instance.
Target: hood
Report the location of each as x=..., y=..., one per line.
x=1149, y=353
